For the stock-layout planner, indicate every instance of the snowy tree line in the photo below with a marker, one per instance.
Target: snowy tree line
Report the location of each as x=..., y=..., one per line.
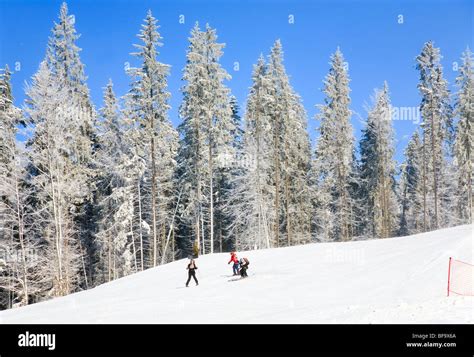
x=88, y=196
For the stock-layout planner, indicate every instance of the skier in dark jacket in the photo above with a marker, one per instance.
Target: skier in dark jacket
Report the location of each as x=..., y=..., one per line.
x=244, y=265
x=192, y=272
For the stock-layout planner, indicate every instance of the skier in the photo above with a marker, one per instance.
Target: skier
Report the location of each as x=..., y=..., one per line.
x=235, y=266
x=191, y=272
x=244, y=265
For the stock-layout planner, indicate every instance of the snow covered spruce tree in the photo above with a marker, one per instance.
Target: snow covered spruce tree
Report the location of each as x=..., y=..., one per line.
x=411, y=189
x=253, y=194
x=377, y=170
x=207, y=133
x=436, y=140
x=58, y=181
x=61, y=154
x=272, y=201
x=116, y=238
x=463, y=143
x=65, y=64
x=333, y=165
x=155, y=141
x=228, y=169
x=20, y=260
x=291, y=156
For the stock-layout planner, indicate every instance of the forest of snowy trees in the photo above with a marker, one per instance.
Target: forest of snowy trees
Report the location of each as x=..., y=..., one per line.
x=90, y=195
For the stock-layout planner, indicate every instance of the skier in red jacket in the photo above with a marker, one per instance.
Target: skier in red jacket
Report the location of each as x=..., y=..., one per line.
x=235, y=260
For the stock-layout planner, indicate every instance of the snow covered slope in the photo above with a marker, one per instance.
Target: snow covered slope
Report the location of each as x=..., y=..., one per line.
x=398, y=280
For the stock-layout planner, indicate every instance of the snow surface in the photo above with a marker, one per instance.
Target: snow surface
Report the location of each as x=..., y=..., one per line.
x=397, y=280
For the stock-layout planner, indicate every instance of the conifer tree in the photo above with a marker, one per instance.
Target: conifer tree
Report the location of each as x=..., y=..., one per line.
x=437, y=138
x=64, y=63
x=334, y=156
x=20, y=272
x=464, y=138
x=253, y=194
x=411, y=189
x=207, y=134
x=116, y=235
x=155, y=139
x=378, y=169
x=59, y=183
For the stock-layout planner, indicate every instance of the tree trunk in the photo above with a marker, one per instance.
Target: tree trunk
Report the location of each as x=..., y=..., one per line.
x=84, y=267
x=276, y=160
x=344, y=204
x=424, y=184
x=173, y=244
x=202, y=232
x=220, y=234
x=287, y=204
x=153, y=195
x=22, y=242
x=435, y=176
x=133, y=246
x=109, y=251
x=140, y=223
x=163, y=241
x=197, y=243
x=469, y=197
x=211, y=194
x=261, y=218
x=56, y=226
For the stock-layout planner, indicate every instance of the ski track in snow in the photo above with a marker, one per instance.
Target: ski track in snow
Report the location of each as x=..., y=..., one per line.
x=396, y=280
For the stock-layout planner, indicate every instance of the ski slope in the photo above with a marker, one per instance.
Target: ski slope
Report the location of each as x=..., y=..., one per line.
x=397, y=280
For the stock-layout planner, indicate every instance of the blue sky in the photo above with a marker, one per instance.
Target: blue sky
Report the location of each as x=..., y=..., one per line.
x=375, y=44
